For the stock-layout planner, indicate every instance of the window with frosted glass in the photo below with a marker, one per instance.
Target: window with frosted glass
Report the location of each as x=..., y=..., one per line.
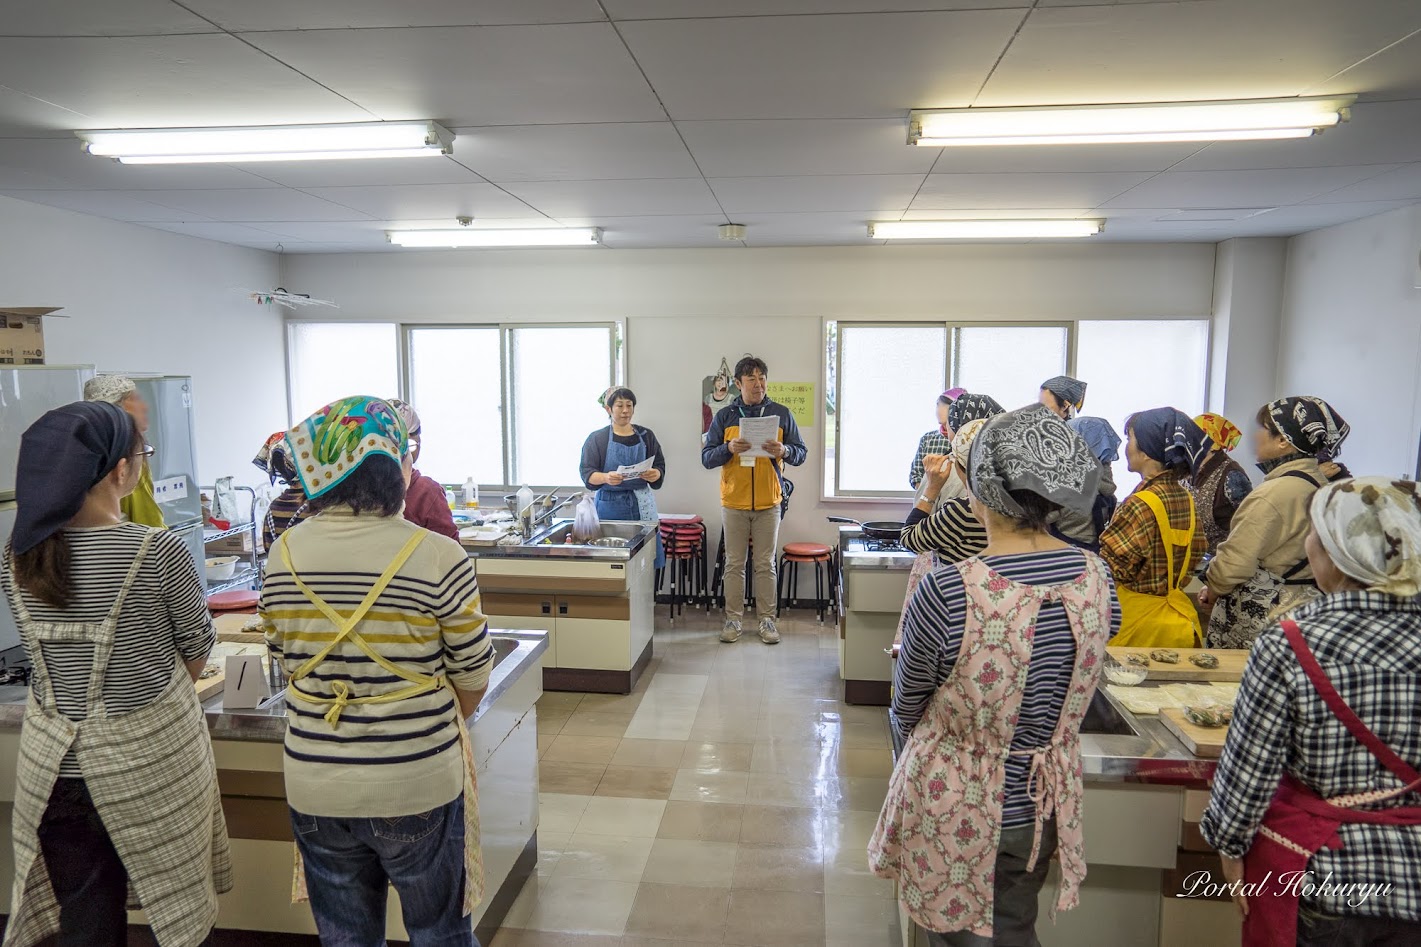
x=557, y=374
x=332, y=360
x=1009, y=362
x=456, y=384
x=888, y=381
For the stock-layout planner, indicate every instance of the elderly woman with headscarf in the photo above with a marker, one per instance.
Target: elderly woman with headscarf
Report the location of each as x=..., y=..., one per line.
x=1261, y=568
x=1000, y=657
x=935, y=443
x=1329, y=703
x=1154, y=538
x=116, y=787
x=425, y=503
x=1084, y=529
x=1220, y=484
x=289, y=507
x=140, y=506
x=378, y=625
x=1063, y=396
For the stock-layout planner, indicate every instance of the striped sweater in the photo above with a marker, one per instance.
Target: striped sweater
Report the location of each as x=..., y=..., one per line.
x=393, y=759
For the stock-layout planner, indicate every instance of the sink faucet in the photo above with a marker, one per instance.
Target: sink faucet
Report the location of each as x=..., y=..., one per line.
x=548, y=513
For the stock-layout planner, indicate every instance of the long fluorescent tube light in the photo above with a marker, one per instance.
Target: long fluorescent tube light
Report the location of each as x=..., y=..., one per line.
x=471, y=237
x=1109, y=124
x=981, y=229
x=270, y=143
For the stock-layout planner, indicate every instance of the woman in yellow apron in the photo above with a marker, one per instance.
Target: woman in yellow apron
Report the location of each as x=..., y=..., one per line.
x=1154, y=539
x=116, y=798
x=377, y=623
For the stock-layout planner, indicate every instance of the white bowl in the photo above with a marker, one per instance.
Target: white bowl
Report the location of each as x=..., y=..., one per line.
x=1125, y=674
x=221, y=568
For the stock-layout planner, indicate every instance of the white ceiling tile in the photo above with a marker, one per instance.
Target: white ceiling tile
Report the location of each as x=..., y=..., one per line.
x=1399, y=184
x=244, y=15
x=63, y=160
x=97, y=18
x=1238, y=188
x=821, y=192
x=681, y=9
x=1379, y=133
x=575, y=152
x=1300, y=218
x=1390, y=74
x=249, y=204
x=968, y=191
x=424, y=201
x=678, y=196
x=226, y=233
x=118, y=205
x=997, y=213
x=364, y=172
x=1143, y=52
x=1063, y=158
x=776, y=229
x=500, y=75
x=869, y=66
x=726, y=149
x=139, y=81
x=373, y=231
x=685, y=230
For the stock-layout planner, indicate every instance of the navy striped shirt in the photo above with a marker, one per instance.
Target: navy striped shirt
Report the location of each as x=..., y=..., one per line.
x=932, y=639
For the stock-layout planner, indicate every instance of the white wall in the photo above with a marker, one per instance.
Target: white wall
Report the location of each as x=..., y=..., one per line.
x=1351, y=333
x=143, y=300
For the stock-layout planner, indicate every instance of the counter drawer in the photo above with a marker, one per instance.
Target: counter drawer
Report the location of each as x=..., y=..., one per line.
x=875, y=590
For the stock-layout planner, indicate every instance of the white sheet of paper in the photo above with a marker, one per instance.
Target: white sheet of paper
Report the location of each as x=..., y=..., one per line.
x=245, y=684
x=757, y=431
x=634, y=471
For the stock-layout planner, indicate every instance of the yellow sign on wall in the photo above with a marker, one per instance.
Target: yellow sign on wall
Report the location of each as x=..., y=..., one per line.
x=798, y=396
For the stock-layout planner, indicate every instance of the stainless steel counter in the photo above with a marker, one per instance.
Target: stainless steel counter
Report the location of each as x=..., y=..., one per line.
x=855, y=552
x=1136, y=749
x=550, y=543
x=516, y=653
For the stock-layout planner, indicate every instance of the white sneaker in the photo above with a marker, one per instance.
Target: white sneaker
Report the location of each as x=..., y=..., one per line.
x=730, y=632
x=769, y=634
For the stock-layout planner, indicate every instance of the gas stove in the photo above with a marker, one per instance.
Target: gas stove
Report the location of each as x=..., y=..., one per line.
x=879, y=545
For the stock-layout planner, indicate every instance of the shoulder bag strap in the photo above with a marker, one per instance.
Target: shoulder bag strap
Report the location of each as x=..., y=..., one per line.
x=1383, y=753
x=1299, y=566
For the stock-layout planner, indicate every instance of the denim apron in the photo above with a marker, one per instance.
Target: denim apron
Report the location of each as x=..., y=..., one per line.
x=631, y=499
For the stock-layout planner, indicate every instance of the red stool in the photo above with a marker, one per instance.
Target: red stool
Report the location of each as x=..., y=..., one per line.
x=683, y=537
x=822, y=558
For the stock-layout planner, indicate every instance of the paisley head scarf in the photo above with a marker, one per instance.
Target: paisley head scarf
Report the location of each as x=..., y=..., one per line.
x=1070, y=390
x=1104, y=443
x=275, y=460
x=1168, y=436
x=1311, y=425
x=332, y=443
x=1222, y=432
x=1371, y=528
x=962, y=440
x=970, y=407
x=1032, y=449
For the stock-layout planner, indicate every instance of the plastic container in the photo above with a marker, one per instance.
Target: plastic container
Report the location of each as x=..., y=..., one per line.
x=524, y=502
x=471, y=494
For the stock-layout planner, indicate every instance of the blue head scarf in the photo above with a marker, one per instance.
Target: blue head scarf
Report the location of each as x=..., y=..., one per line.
x=1100, y=436
x=1169, y=436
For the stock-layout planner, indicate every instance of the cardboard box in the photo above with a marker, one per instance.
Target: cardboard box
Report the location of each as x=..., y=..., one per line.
x=22, y=334
x=239, y=545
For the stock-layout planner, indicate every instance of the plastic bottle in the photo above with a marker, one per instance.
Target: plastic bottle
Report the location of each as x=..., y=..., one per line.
x=471, y=494
x=525, y=507
x=449, y=498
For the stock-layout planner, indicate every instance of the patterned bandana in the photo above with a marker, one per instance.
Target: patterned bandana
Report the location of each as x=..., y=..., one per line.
x=407, y=414
x=1100, y=436
x=1032, y=449
x=1371, y=528
x=970, y=407
x=275, y=460
x=1224, y=434
x=1310, y=425
x=962, y=440
x=113, y=389
x=1168, y=436
x=330, y=444
x=1068, y=389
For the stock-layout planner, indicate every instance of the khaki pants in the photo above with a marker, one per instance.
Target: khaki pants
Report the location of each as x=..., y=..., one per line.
x=740, y=527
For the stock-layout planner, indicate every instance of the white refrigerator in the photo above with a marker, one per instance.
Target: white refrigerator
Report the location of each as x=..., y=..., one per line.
x=173, y=436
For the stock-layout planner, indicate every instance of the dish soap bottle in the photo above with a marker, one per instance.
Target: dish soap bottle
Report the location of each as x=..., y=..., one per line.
x=471, y=494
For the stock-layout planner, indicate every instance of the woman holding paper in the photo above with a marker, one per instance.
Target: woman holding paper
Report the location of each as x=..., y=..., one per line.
x=615, y=464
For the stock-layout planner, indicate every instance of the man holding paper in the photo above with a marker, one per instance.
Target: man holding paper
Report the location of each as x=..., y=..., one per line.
x=751, y=440
x=624, y=462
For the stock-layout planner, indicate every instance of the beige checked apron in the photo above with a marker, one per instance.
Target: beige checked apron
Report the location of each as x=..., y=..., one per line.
x=151, y=775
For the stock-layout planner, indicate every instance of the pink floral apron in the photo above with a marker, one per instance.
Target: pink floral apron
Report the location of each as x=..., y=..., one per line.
x=938, y=833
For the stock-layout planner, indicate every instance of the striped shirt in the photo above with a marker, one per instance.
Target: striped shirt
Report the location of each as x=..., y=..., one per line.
x=951, y=531
x=391, y=759
x=932, y=639
x=164, y=619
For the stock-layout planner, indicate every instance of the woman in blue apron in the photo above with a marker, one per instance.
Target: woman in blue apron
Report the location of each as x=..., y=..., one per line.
x=624, y=444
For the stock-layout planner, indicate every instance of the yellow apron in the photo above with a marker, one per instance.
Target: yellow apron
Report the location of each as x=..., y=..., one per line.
x=419, y=684
x=139, y=506
x=1161, y=621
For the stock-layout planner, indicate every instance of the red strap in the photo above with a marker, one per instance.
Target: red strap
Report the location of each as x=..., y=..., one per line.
x=1383, y=753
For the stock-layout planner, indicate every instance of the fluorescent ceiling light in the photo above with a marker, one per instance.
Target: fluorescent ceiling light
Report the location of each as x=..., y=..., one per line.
x=474, y=237
x=1111, y=124
x=270, y=143
x=981, y=229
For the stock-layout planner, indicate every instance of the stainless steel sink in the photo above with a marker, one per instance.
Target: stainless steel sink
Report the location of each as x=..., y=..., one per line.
x=502, y=648
x=609, y=530
x=1102, y=716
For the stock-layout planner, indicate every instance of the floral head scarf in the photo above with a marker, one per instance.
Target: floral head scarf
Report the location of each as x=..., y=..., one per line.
x=1371, y=527
x=1032, y=449
x=962, y=440
x=407, y=414
x=330, y=444
x=274, y=459
x=970, y=407
x=1104, y=443
x=1168, y=436
x=1224, y=434
x=1311, y=425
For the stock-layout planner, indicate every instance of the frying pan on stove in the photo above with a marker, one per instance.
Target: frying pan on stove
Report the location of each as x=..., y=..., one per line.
x=885, y=531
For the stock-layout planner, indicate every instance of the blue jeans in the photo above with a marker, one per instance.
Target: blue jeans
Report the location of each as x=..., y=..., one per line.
x=349, y=862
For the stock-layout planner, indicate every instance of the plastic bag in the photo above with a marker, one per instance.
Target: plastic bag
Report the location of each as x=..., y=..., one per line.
x=586, y=524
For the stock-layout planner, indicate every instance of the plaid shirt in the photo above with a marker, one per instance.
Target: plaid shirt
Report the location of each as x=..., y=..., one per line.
x=1369, y=645
x=933, y=442
x=1131, y=545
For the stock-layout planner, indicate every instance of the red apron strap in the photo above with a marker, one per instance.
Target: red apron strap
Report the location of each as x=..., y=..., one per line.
x=1383, y=753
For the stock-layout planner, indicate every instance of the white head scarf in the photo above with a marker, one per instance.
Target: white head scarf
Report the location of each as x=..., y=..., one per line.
x=1371, y=527
x=113, y=389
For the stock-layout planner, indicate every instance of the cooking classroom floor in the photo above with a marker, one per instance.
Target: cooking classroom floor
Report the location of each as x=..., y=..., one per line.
x=727, y=800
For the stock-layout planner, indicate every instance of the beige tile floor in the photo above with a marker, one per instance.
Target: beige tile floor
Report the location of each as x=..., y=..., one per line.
x=728, y=800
